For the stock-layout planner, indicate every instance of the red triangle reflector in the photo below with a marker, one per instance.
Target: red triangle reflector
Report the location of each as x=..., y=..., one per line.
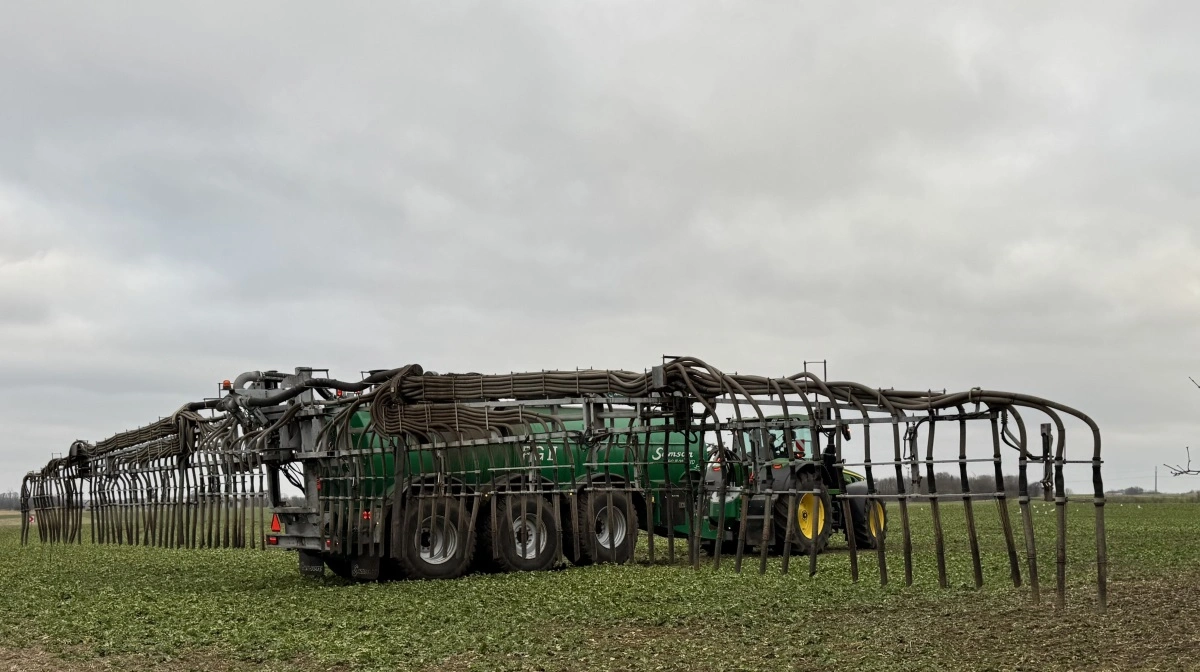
x=275, y=526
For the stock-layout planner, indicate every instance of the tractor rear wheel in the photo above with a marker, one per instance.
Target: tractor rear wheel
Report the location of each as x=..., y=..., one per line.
x=435, y=542
x=606, y=535
x=526, y=538
x=812, y=519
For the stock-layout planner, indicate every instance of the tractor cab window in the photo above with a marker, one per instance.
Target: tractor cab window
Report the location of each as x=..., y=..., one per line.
x=792, y=444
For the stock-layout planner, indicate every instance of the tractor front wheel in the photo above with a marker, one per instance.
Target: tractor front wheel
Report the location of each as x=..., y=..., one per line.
x=870, y=523
x=811, y=520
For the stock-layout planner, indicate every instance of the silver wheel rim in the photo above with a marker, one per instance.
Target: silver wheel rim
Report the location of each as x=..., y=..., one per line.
x=606, y=537
x=436, y=543
x=529, y=537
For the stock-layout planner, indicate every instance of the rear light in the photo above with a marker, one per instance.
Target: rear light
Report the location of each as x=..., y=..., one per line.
x=226, y=385
x=275, y=526
x=367, y=515
x=274, y=541
x=778, y=466
x=318, y=485
x=717, y=468
x=328, y=543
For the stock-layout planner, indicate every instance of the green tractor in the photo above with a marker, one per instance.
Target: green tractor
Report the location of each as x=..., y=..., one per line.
x=779, y=468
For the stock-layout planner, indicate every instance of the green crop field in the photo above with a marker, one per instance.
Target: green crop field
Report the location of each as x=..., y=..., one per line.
x=98, y=608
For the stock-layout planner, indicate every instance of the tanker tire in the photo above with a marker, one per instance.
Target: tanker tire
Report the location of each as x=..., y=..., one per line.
x=578, y=559
x=390, y=570
x=389, y=567
x=484, y=562
x=596, y=543
x=435, y=544
x=525, y=542
x=340, y=566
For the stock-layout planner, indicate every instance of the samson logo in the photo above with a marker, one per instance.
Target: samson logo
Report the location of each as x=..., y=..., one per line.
x=656, y=453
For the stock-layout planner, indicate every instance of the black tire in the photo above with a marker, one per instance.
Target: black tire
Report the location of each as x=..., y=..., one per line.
x=344, y=567
x=390, y=570
x=596, y=544
x=570, y=523
x=484, y=562
x=383, y=569
x=340, y=566
x=812, y=521
x=709, y=547
x=389, y=567
x=435, y=542
x=523, y=540
x=870, y=523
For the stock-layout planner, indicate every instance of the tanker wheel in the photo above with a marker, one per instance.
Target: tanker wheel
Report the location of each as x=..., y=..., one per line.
x=526, y=538
x=343, y=567
x=870, y=523
x=483, y=562
x=435, y=542
x=812, y=519
x=340, y=566
x=391, y=570
x=606, y=535
x=570, y=524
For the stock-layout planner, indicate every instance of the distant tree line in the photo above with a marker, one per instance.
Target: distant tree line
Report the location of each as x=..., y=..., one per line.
x=951, y=484
x=1132, y=490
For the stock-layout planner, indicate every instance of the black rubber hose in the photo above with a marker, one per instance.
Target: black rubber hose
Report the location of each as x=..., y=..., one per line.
x=331, y=384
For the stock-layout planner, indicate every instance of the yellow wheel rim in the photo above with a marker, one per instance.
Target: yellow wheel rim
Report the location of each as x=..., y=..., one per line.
x=876, y=520
x=811, y=516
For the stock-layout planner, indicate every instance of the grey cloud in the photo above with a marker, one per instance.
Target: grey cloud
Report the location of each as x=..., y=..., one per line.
x=929, y=196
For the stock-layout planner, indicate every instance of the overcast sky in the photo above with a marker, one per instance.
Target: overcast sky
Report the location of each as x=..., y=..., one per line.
x=939, y=196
